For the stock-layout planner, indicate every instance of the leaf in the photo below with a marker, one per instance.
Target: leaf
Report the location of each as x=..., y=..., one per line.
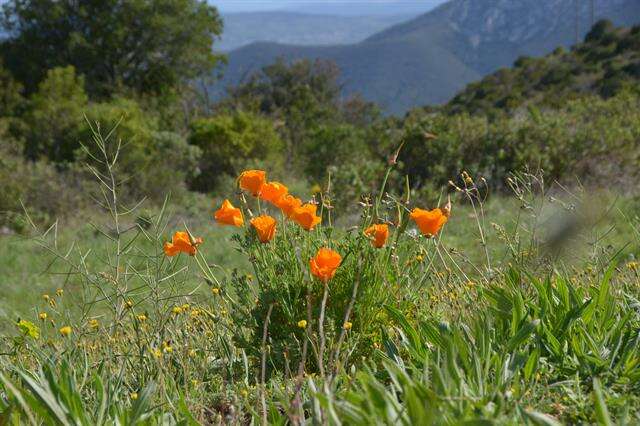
x=47, y=398
x=602, y=413
x=532, y=364
x=542, y=419
x=15, y=393
x=140, y=409
x=522, y=334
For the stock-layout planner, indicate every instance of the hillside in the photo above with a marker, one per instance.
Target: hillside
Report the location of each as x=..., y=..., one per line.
x=605, y=63
x=241, y=29
x=430, y=58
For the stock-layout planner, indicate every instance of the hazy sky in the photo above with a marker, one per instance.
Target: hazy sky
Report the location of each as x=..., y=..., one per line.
x=326, y=6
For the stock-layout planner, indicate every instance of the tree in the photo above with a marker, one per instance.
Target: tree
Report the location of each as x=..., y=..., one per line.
x=300, y=95
x=54, y=116
x=144, y=45
x=11, y=99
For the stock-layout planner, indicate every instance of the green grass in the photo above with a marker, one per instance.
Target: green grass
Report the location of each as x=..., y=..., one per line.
x=522, y=311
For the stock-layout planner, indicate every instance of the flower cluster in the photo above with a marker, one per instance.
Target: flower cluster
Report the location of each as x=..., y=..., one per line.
x=326, y=262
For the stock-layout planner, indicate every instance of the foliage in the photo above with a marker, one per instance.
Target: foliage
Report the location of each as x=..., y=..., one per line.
x=590, y=137
x=226, y=140
x=54, y=116
x=38, y=186
x=143, y=45
x=413, y=332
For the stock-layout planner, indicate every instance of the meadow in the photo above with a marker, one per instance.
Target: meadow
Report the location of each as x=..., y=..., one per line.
x=489, y=309
x=288, y=254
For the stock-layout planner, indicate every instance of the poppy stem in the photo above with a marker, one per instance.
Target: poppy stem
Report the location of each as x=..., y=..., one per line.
x=263, y=362
x=323, y=306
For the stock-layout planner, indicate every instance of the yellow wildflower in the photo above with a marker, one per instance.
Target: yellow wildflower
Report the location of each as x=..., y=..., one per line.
x=65, y=331
x=29, y=329
x=302, y=323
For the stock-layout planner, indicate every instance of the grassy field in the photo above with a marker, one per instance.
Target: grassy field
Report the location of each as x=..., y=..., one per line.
x=28, y=273
x=524, y=309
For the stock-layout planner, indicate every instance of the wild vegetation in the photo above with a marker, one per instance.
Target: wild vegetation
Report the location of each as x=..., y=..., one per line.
x=457, y=264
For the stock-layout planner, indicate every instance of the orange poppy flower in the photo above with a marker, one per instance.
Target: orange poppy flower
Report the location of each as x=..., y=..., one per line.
x=306, y=217
x=182, y=242
x=252, y=181
x=229, y=215
x=265, y=227
x=378, y=234
x=429, y=221
x=288, y=203
x=325, y=264
x=273, y=191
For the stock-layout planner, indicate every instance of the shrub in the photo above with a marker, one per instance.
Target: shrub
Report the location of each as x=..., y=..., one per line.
x=227, y=141
x=55, y=116
x=154, y=162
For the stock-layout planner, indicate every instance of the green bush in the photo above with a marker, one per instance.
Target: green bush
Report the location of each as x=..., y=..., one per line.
x=38, y=187
x=54, y=116
x=153, y=162
x=227, y=141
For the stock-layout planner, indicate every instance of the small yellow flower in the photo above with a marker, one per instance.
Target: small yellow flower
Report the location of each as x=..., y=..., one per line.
x=45, y=297
x=42, y=316
x=302, y=323
x=347, y=325
x=194, y=382
x=215, y=291
x=166, y=347
x=29, y=329
x=133, y=395
x=94, y=323
x=185, y=307
x=129, y=304
x=177, y=310
x=419, y=258
x=195, y=313
x=59, y=292
x=244, y=393
x=192, y=353
x=65, y=331
x=142, y=317
x=633, y=266
x=157, y=353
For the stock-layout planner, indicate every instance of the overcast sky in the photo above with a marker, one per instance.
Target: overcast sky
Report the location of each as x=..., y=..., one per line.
x=327, y=6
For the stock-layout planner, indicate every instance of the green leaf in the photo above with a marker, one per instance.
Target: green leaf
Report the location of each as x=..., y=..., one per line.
x=522, y=334
x=602, y=413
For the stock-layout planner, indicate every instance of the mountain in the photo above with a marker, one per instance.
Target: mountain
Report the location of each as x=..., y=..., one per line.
x=365, y=8
x=428, y=59
x=241, y=29
x=354, y=8
x=607, y=62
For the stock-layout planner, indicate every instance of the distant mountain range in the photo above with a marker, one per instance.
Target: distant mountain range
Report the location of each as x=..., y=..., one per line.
x=428, y=59
x=356, y=8
x=241, y=29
